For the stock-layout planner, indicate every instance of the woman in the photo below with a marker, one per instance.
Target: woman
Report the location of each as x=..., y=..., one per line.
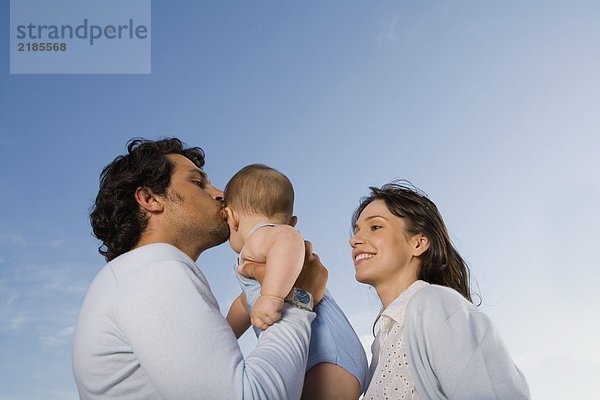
x=433, y=342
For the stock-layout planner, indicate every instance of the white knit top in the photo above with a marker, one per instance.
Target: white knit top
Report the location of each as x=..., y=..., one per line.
x=391, y=376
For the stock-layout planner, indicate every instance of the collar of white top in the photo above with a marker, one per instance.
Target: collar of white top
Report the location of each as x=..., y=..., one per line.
x=397, y=307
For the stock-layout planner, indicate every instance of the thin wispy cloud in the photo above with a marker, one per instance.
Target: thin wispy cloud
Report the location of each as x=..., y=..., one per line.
x=19, y=240
x=39, y=305
x=11, y=318
x=56, y=243
x=59, y=337
x=12, y=239
x=54, y=277
x=391, y=32
x=16, y=323
x=8, y=298
x=46, y=297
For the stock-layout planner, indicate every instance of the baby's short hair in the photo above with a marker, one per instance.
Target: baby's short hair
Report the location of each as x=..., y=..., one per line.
x=257, y=188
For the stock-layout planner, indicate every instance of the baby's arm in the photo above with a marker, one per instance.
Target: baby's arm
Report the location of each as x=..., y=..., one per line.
x=238, y=317
x=282, y=247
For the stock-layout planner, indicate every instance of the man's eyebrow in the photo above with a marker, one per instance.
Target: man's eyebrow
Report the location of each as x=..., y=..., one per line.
x=198, y=172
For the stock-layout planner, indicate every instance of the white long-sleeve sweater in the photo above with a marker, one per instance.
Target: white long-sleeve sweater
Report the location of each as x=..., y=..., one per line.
x=150, y=328
x=455, y=352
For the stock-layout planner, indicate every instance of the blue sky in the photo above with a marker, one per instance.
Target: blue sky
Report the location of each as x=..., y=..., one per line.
x=489, y=107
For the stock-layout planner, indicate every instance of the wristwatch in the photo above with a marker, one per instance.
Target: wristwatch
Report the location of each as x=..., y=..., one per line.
x=300, y=298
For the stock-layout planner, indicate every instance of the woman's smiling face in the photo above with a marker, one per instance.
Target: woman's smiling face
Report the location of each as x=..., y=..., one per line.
x=381, y=248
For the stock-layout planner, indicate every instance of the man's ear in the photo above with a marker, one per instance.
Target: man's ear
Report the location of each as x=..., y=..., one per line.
x=420, y=243
x=293, y=221
x=233, y=219
x=148, y=200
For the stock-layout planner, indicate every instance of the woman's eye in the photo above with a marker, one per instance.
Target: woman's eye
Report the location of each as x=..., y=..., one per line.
x=375, y=227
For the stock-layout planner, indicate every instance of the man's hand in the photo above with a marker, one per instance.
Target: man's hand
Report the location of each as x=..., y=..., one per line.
x=312, y=278
x=253, y=270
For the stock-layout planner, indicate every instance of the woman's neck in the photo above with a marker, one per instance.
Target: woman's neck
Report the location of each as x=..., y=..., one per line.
x=390, y=289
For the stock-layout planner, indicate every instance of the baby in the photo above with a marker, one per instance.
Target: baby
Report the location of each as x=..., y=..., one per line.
x=260, y=202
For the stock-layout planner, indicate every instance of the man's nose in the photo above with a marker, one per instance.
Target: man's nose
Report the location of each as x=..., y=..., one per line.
x=216, y=194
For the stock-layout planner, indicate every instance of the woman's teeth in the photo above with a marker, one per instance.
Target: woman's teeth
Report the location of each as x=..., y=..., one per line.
x=363, y=256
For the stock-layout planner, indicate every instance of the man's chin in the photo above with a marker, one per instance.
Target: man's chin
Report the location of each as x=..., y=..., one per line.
x=212, y=239
x=221, y=234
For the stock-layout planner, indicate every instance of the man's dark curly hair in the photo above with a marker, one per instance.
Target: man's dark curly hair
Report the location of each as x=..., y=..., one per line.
x=116, y=217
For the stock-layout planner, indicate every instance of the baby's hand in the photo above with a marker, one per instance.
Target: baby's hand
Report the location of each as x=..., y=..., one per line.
x=266, y=311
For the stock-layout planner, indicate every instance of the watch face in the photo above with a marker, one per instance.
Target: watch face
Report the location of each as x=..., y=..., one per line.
x=302, y=296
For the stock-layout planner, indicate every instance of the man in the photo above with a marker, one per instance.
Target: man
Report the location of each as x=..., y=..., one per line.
x=150, y=328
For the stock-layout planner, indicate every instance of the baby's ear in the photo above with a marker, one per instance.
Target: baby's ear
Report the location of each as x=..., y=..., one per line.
x=232, y=219
x=293, y=220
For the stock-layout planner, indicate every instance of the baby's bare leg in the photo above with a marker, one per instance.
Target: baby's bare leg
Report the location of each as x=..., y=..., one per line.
x=327, y=381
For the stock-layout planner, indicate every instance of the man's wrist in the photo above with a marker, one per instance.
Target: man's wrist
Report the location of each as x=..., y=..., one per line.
x=300, y=298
